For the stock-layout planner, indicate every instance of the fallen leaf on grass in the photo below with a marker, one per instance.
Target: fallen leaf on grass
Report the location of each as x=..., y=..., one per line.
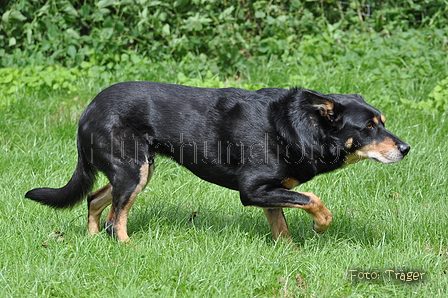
x=300, y=282
x=193, y=215
x=56, y=235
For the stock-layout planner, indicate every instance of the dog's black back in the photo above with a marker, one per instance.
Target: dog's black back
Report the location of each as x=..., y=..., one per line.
x=212, y=132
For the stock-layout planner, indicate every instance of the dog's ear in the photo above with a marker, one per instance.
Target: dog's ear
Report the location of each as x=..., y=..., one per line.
x=323, y=104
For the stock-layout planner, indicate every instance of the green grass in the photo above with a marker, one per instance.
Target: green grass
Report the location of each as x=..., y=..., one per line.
x=386, y=217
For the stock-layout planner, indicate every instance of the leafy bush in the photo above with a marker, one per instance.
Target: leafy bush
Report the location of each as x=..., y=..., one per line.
x=97, y=38
x=38, y=78
x=413, y=60
x=438, y=99
x=440, y=95
x=226, y=32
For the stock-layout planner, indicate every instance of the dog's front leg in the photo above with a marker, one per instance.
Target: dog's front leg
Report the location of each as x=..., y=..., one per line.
x=277, y=221
x=321, y=215
x=272, y=199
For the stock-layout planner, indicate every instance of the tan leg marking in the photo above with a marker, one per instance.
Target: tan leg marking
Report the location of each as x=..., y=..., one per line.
x=321, y=215
x=277, y=221
x=349, y=143
x=290, y=183
x=120, y=227
x=101, y=199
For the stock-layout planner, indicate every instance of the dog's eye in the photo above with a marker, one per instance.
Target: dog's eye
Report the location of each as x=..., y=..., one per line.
x=369, y=126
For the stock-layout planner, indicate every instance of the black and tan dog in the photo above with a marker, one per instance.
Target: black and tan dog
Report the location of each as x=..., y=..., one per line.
x=262, y=143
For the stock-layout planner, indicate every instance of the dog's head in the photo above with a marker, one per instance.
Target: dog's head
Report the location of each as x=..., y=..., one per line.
x=350, y=119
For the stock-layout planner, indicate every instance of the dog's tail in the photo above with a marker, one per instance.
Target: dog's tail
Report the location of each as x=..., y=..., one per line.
x=76, y=189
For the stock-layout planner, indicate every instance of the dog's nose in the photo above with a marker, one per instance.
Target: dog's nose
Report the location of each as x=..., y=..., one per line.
x=404, y=148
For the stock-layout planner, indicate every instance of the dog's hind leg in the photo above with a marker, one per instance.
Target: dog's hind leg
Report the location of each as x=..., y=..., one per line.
x=125, y=189
x=97, y=201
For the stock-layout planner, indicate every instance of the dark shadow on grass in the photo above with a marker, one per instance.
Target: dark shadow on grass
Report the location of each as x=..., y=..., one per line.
x=175, y=218
x=252, y=221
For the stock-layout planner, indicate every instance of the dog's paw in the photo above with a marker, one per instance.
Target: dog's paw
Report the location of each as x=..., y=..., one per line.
x=319, y=229
x=108, y=226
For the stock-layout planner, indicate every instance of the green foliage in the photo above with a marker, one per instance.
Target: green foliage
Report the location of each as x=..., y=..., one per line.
x=220, y=40
x=31, y=79
x=211, y=81
x=226, y=32
x=440, y=95
x=438, y=99
x=409, y=59
x=37, y=78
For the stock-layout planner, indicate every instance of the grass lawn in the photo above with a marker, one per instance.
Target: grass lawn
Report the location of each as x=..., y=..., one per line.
x=388, y=219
